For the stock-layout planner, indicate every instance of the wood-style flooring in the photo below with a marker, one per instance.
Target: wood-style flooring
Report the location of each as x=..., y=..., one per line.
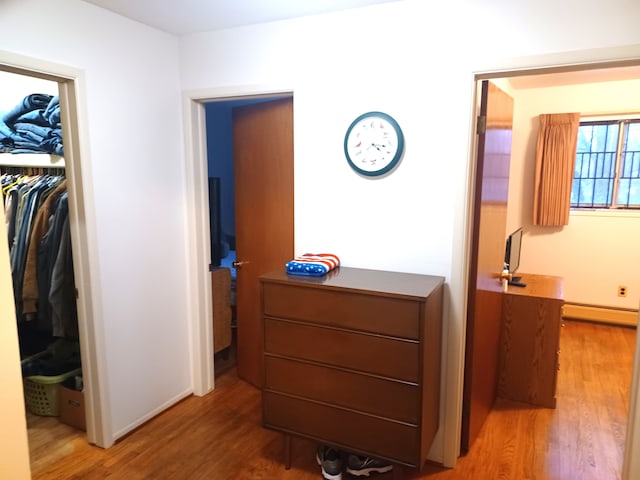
x=219, y=436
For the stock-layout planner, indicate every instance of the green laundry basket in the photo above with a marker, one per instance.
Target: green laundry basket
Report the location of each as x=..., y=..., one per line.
x=41, y=392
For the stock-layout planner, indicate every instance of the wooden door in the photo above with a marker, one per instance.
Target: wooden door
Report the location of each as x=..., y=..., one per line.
x=484, y=303
x=263, y=169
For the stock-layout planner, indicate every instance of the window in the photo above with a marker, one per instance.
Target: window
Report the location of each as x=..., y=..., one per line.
x=607, y=171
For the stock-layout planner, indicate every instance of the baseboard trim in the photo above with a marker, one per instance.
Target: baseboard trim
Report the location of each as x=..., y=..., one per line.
x=595, y=313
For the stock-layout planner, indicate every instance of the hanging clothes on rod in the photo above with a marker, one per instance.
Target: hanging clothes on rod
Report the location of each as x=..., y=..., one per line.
x=34, y=193
x=36, y=210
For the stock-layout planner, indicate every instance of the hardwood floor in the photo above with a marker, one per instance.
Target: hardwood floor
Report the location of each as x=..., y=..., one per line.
x=219, y=436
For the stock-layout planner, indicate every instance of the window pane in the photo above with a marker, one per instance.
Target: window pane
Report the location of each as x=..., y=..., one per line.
x=575, y=191
x=586, y=192
x=629, y=175
x=611, y=138
x=625, y=166
x=597, y=137
x=623, y=192
x=632, y=137
x=634, y=193
x=602, y=192
x=594, y=172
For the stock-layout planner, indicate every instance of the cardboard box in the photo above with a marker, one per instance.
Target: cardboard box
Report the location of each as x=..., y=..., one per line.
x=72, y=408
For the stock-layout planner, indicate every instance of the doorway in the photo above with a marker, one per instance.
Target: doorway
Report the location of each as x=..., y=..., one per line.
x=197, y=173
x=250, y=159
x=568, y=76
x=69, y=83
x=47, y=336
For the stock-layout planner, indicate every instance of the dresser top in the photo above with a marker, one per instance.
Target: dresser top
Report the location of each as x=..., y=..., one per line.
x=357, y=279
x=543, y=286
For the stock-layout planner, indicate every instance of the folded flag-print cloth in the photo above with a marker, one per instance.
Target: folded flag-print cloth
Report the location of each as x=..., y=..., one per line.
x=313, y=264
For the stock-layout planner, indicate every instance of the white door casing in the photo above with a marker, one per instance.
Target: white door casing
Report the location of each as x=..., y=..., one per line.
x=74, y=119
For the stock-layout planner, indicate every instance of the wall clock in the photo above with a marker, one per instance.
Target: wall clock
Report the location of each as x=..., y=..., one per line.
x=373, y=143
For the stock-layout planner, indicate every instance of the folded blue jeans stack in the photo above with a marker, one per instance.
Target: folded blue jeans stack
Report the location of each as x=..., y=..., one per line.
x=33, y=126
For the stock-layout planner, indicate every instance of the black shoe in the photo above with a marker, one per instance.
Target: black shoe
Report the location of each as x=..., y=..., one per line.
x=330, y=460
x=365, y=466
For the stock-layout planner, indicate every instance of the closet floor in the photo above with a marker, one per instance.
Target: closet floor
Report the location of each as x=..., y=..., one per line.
x=51, y=440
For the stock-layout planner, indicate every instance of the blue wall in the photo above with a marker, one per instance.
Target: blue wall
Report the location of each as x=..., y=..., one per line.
x=219, y=122
x=220, y=159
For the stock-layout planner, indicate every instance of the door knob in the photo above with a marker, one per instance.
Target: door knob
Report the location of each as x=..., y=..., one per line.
x=237, y=264
x=505, y=275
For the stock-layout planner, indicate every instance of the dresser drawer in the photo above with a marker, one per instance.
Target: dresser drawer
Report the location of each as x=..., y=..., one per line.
x=348, y=429
x=378, y=396
x=385, y=315
x=375, y=354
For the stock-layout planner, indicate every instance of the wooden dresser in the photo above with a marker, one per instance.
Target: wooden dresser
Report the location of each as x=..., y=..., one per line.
x=530, y=340
x=352, y=359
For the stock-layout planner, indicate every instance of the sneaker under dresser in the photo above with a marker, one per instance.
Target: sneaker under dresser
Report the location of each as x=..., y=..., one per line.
x=352, y=359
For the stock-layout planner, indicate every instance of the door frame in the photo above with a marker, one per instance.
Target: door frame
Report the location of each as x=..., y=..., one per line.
x=455, y=337
x=197, y=218
x=72, y=97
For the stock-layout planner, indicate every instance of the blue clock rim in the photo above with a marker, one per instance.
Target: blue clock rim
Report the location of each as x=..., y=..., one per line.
x=396, y=158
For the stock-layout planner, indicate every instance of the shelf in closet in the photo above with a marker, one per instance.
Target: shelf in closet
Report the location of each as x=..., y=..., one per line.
x=43, y=160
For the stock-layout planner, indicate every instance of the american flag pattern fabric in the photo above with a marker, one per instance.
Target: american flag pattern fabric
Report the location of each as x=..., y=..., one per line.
x=313, y=264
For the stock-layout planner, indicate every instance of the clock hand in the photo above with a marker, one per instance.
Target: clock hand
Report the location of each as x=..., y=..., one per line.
x=380, y=146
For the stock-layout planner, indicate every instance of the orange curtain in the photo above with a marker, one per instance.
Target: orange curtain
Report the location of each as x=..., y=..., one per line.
x=555, y=162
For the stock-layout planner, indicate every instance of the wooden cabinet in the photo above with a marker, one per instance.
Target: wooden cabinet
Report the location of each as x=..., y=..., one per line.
x=221, y=307
x=353, y=359
x=530, y=340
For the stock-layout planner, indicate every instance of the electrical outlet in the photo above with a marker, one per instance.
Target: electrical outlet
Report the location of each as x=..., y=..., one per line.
x=622, y=291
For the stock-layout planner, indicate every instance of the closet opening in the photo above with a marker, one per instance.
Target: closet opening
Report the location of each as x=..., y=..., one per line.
x=67, y=353
x=36, y=212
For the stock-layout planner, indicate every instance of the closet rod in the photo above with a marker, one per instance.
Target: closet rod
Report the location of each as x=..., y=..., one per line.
x=55, y=171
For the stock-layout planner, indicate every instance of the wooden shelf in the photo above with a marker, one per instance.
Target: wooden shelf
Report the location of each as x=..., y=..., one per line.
x=41, y=160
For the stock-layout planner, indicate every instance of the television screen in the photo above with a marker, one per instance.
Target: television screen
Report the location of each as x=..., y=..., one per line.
x=512, y=251
x=214, y=221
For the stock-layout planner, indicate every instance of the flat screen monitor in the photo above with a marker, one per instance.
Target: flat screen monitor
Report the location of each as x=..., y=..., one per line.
x=512, y=251
x=214, y=221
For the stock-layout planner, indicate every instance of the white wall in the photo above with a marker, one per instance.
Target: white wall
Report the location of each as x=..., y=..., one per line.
x=416, y=61
x=597, y=251
x=344, y=64
x=334, y=81
x=134, y=191
x=15, y=87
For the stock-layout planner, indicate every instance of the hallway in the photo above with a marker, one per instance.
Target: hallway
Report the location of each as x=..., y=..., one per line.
x=219, y=436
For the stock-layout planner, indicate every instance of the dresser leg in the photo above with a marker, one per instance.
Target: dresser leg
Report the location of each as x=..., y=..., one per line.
x=287, y=451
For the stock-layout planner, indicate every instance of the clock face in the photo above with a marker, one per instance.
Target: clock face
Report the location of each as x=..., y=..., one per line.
x=373, y=144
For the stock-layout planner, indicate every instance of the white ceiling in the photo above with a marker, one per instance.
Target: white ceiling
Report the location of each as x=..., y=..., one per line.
x=182, y=17
x=193, y=16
